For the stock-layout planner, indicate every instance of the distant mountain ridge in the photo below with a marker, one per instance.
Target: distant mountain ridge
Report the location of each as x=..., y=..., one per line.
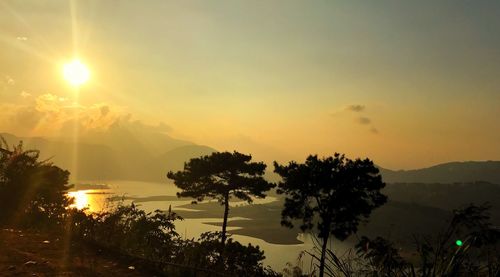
x=128, y=154
x=447, y=173
x=183, y=153
x=120, y=155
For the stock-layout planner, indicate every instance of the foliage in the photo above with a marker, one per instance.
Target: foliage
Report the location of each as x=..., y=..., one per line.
x=334, y=265
x=329, y=195
x=35, y=191
x=241, y=260
x=219, y=174
x=32, y=192
x=438, y=256
x=336, y=189
x=296, y=270
x=152, y=236
x=222, y=175
x=131, y=230
x=382, y=258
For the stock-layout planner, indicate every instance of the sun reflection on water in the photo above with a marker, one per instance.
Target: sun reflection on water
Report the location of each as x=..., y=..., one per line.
x=81, y=199
x=91, y=200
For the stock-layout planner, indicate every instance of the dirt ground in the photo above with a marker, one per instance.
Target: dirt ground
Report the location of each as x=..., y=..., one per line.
x=34, y=254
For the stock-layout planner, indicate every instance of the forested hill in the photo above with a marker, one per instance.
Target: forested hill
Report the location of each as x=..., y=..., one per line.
x=447, y=173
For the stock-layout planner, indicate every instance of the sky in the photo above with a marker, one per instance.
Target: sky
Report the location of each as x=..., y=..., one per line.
x=408, y=84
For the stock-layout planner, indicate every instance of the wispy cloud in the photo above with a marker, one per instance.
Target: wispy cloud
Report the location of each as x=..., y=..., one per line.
x=358, y=113
x=364, y=120
x=7, y=80
x=25, y=94
x=355, y=108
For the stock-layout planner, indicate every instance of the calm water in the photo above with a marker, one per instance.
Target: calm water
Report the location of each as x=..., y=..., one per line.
x=277, y=255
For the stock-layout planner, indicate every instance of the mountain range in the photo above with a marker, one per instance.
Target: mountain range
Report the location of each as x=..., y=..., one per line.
x=114, y=155
x=125, y=153
x=447, y=173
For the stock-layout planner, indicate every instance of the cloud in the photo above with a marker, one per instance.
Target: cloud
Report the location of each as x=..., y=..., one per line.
x=25, y=94
x=355, y=108
x=19, y=119
x=50, y=103
x=357, y=112
x=364, y=120
x=49, y=114
x=7, y=80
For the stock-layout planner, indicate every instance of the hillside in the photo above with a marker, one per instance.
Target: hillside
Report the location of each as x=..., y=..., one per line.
x=41, y=254
x=448, y=196
x=124, y=158
x=175, y=158
x=453, y=172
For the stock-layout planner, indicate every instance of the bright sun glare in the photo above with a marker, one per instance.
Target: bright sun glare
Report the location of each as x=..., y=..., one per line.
x=76, y=73
x=81, y=199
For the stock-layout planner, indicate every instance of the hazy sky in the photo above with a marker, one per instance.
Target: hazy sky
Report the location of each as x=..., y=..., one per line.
x=406, y=83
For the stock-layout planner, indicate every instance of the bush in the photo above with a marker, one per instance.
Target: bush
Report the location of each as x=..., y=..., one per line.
x=32, y=192
x=130, y=230
x=478, y=254
x=239, y=260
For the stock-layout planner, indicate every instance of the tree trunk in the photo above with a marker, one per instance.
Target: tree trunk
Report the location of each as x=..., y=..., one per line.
x=323, y=254
x=224, y=223
x=223, y=236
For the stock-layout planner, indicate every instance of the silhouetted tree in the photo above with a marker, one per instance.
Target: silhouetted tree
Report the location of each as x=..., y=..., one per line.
x=333, y=192
x=222, y=175
x=31, y=189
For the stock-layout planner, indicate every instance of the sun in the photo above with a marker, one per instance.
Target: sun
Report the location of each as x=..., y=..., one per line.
x=76, y=72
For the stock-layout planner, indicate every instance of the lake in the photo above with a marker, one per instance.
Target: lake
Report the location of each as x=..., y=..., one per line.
x=277, y=255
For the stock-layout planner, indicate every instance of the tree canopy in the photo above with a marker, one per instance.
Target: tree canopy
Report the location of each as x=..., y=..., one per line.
x=330, y=195
x=221, y=176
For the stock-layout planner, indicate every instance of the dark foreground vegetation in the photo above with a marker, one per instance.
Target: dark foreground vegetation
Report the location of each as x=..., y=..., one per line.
x=32, y=253
x=327, y=197
x=33, y=197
